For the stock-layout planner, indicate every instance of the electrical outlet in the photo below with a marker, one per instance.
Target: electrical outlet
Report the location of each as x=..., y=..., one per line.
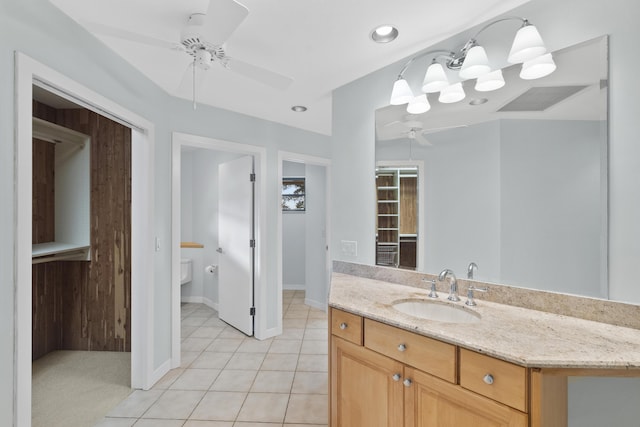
x=349, y=247
x=157, y=244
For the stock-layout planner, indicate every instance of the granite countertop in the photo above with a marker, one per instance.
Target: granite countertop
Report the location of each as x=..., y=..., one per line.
x=529, y=338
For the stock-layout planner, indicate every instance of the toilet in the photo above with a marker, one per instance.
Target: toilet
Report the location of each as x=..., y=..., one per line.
x=186, y=270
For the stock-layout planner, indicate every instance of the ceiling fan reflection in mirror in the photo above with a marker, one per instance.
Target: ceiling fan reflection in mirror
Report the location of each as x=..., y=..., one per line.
x=203, y=39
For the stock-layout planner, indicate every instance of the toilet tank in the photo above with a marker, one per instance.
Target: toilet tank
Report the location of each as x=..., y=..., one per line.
x=186, y=270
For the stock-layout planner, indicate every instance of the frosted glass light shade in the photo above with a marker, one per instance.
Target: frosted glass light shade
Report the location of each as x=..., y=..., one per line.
x=452, y=93
x=401, y=93
x=475, y=63
x=537, y=68
x=419, y=105
x=434, y=79
x=491, y=81
x=526, y=45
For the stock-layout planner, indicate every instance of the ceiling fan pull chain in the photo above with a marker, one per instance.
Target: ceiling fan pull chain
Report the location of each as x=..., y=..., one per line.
x=194, y=82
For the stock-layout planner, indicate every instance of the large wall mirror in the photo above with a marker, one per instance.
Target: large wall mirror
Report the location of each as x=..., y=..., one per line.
x=515, y=179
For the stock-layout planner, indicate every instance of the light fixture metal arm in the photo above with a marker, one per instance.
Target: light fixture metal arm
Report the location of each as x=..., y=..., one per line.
x=440, y=52
x=492, y=23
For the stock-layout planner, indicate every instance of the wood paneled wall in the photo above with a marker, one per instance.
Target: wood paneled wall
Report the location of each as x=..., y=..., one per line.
x=43, y=210
x=408, y=205
x=92, y=300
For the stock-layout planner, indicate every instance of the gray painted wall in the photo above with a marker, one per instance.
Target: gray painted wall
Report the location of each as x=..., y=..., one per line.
x=38, y=29
x=551, y=210
x=316, y=237
x=199, y=215
x=294, y=238
x=562, y=24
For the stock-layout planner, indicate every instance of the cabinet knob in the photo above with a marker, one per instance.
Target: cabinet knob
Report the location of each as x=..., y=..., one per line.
x=396, y=377
x=407, y=382
x=343, y=326
x=488, y=379
x=402, y=347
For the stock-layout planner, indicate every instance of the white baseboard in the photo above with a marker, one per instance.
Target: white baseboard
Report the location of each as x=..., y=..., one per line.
x=293, y=287
x=316, y=304
x=200, y=300
x=160, y=372
x=270, y=333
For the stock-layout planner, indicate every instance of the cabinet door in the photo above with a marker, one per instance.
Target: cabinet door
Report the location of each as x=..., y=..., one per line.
x=364, y=392
x=431, y=402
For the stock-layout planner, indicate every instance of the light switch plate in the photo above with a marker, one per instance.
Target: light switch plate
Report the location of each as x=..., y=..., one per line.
x=349, y=247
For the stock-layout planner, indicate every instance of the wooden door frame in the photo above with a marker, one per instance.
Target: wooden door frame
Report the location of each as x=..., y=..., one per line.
x=179, y=140
x=28, y=71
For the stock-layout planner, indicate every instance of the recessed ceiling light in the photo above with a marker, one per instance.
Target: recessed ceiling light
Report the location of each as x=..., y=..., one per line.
x=478, y=101
x=384, y=34
x=299, y=108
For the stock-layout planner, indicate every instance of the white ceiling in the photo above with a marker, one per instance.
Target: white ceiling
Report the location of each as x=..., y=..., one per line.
x=320, y=44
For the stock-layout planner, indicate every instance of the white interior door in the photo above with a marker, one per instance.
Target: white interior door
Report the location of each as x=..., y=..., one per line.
x=235, y=237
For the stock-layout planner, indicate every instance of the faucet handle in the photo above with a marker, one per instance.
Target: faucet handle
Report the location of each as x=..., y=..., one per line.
x=433, y=293
x=470, y=301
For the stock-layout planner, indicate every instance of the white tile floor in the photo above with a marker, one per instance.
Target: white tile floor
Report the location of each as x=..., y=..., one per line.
x=229, y=380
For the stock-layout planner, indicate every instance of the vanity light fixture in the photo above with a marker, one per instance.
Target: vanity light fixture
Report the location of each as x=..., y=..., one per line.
x=452, y=93
x=472, y=62
x=419, y=105
x=384, y=34
x=490, y=81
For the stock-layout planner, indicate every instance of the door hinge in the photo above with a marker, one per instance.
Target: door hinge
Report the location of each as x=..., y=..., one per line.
x=252, y=311
x=252, y=177
x=252, y=243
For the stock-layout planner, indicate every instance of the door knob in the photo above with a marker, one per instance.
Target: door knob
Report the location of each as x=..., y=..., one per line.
x=396, y=377
x=407, y=382
x=488, y=379
x=343, y=326
x=402, y=347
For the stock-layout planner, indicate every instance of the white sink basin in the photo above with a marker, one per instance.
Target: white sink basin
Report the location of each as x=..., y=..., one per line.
x=436, y=311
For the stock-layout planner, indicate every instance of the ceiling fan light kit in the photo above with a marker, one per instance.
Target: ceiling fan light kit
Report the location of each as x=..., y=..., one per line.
x=471, y=62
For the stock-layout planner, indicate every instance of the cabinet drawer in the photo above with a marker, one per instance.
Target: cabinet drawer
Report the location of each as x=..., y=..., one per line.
x=428, y=355
x=496, y=379
x=346, y=325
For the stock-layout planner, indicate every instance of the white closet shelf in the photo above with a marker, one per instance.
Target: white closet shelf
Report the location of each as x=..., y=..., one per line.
x=57, y=251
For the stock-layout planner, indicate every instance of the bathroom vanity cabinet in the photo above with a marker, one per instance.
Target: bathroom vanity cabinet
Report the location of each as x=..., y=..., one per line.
x=381, y=375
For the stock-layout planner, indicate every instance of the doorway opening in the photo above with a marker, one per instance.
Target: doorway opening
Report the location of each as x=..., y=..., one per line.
x=201, y=183
x=400, y=214
x=304, y=261
x=81, y=312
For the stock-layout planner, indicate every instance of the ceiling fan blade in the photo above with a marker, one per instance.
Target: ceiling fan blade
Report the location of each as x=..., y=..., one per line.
x=259, y=74
x=434, y=130
x=392, y=137
x=393, y=123
x=223, y=17
x=131, y=36
x=422, y=140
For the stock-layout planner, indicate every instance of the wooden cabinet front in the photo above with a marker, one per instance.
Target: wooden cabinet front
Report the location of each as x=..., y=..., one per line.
x=432, y=356
x=431, y=402
x=364, y=392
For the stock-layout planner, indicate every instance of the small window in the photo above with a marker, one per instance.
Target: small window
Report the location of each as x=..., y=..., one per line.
x=293, y=194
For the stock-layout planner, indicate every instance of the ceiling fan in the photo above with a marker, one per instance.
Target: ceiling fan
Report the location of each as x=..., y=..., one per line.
x=411, y=129
x=203, y=39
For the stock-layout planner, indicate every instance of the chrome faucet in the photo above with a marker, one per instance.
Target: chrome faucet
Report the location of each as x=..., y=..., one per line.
x=471, y=270
x=453, y=292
